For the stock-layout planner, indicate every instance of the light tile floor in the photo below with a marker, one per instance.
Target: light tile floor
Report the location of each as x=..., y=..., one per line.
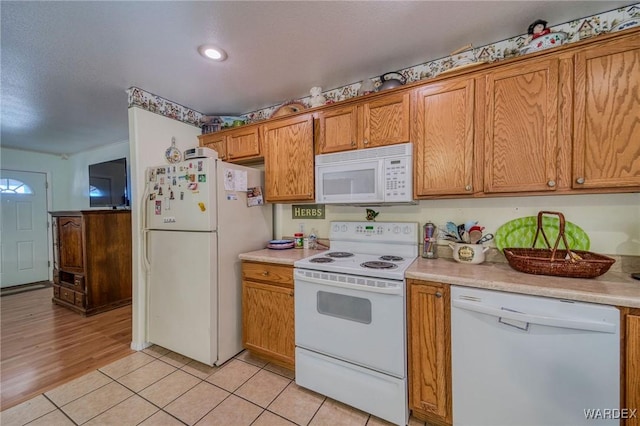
x=159, y=387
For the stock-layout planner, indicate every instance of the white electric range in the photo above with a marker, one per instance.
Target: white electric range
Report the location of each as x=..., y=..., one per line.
x=350, y=317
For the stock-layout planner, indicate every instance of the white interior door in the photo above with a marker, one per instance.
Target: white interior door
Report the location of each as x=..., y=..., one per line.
x=24, y=248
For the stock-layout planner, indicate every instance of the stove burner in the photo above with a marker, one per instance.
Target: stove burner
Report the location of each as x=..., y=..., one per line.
x=321, y=260
x=378, y=265
x=339, y=254
x=392, y=258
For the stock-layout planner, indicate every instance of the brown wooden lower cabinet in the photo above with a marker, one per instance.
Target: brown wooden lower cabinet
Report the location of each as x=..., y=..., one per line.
x=630, y=357
x=268, y=312
x=429, y=328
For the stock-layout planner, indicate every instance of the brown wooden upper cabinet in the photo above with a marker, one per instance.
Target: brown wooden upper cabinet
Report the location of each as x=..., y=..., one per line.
x=521, y=127
x=288, y=159
x=443, y=131
x=216, y=142
x=242, y=143
x=606, y=146
x=381, y=121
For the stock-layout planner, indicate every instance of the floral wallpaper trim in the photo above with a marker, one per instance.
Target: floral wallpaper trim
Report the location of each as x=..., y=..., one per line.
x=153, y=103
x=576, y=30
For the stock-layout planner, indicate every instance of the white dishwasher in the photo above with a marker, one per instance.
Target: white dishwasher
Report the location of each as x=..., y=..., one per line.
x=526, y=360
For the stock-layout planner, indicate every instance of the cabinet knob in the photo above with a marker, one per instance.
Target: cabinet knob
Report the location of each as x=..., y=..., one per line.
x=366, y=141
x=353, y=143
x=468, y=188
x=580, y=180
x=438, y=294
x=291, y=293
x=265, y=273
x=551, y=183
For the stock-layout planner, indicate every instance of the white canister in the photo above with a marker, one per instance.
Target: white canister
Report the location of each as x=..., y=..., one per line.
x=468, y=253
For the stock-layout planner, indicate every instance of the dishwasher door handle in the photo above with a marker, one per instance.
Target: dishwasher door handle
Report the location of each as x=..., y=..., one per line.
x=575, y=324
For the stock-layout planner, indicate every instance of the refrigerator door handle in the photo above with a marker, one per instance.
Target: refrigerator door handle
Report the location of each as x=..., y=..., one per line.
x=549, y=321
x=145, y=232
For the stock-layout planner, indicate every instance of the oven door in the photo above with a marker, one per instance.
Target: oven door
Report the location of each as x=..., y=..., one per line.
x=350, y=182
x=355, y=319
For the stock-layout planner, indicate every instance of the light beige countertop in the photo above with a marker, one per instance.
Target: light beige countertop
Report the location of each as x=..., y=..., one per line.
x=283, y=257
x=613, y=288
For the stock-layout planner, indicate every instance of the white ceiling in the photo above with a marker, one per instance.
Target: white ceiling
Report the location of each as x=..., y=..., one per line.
x=66, y=65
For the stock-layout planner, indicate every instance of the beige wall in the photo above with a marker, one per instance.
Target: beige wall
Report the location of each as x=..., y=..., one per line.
x=611, y=221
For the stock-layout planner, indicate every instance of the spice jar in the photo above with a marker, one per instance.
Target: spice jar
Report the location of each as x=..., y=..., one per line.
x=298, y=240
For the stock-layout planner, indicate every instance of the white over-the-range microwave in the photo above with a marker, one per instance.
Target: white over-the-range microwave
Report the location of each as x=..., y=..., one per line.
x=367, y=176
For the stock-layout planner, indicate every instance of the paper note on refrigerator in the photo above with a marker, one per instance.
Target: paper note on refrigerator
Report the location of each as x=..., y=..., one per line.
x=235, y=180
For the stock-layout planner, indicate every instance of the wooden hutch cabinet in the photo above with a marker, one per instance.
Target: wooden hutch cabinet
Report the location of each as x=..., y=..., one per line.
x=92, y=259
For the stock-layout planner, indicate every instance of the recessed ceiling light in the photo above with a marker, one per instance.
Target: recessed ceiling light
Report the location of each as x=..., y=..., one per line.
x=210, y=51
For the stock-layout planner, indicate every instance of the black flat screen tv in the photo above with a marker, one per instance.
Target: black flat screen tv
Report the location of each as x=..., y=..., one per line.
x=108, y=184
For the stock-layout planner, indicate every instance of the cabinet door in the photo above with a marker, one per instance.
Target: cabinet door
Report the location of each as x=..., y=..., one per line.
x=216, y=142
x=385, y=121
x=70, y=244
x=430, y=351
x=632, y=366
x=443, y=134
x=338, y=129
x=268, y=320
x=606, y=151
x=521, y=127
x=288, y=159
x=243, y=143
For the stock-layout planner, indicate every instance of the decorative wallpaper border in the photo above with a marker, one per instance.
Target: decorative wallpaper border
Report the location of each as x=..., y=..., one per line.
x=154, y=103
x=576, y=30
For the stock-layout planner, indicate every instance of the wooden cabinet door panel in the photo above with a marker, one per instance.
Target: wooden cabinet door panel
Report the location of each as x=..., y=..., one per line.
x=268, y=320
x=385, y=121
x=289, y=159
x=632, y=367
x=243, y=143
x=338, y=129
x=606, y=149
x=443, y=135
x=430, y=350
x=70, y=243
x=521, y=127
x=216, y=142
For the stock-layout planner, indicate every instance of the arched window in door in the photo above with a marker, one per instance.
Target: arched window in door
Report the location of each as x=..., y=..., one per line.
x=13, y=186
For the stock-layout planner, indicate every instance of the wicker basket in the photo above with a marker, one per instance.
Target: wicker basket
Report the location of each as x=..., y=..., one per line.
x=551, y=261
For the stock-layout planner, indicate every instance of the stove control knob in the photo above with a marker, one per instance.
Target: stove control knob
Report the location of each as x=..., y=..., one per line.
x=336, y=228
x=406, y=229
x=396, y=229
x=344, y=228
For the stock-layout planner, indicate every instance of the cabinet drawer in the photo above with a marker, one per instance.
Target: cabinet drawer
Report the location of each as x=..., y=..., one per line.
x=56, y=292
x=67, y=295
x=78, y=281
x=79, y=300
x=274, y=274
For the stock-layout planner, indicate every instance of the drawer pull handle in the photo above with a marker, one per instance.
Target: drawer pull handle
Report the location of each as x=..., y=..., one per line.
x=265, y=273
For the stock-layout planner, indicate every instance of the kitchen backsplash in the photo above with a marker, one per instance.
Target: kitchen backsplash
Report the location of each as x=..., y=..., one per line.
x=610, y=220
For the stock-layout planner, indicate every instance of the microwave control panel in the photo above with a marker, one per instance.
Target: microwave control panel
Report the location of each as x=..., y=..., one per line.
x=397, y=178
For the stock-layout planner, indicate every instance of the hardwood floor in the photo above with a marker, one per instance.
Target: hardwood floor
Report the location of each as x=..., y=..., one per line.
x=45, y=345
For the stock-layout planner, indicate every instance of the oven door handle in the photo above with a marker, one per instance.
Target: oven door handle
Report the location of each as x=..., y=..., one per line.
x=372, y=289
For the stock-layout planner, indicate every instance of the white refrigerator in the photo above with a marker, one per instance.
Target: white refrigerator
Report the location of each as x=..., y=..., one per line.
x=200, y=214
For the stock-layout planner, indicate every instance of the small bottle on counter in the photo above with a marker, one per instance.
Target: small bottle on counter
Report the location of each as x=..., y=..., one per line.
x=298, y=240
x=430, y=247
x=313, y=239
